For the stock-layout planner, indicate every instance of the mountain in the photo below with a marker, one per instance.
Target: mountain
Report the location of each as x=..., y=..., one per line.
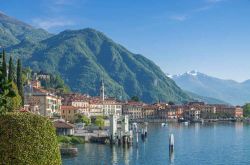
x=84, y=57
x=208, y=100
x=13, y=31
x=227, y=90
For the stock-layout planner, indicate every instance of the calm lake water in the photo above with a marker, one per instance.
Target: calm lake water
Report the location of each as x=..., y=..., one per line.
x=196, y=144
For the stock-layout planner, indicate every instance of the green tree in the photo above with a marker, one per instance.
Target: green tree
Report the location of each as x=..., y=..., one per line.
x=11, y=76
x=99, y=121
x=26, y=74
x=135, y=98
x=55, y=82
x=14, y=103
x=83, y=119
x=19, y=80
x=6, y=90
x=246, y=110
x=4, y=66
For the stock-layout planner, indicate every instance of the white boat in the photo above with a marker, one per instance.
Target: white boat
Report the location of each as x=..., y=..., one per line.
x=186, y=123
x=164, y=124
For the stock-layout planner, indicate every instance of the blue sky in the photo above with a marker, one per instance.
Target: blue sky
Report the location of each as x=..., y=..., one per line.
x=211, y=36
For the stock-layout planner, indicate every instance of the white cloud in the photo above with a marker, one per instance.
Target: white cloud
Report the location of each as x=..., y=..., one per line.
x=178, y=17
x=210, y=4
x=51, y=23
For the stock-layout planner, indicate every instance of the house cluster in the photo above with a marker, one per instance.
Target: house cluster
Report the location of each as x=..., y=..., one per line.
x=67, y=106
x=190, y=111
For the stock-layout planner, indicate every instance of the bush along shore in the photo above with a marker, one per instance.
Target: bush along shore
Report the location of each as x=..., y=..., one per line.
x=70, y=140
x=28, y=139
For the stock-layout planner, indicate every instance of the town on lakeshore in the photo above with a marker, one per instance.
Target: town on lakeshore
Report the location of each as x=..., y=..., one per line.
x=67, y=106
x=64, y=109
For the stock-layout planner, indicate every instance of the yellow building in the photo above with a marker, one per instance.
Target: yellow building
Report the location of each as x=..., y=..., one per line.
x=42, y=102
x=69, y=113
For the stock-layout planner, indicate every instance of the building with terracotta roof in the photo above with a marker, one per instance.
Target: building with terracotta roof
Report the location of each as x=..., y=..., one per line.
x=77, y=100
x=69, y=113
x=95, y=107
x=150, y=112
x=133, y=110
x=111, y=106
x=63, y=128
x=41, y=101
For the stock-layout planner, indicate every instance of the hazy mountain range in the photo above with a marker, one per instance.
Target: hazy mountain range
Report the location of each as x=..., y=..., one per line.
x=83, y=57
x=230, y=91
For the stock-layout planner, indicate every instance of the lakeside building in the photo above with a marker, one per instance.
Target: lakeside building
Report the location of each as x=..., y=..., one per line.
x=111, y=106
x=63, y=128
x=95, y=107
x=69, y=113
x=196, y=111
x=133, y=110
x=171, y=112
x=230, y=111
x=42, y=102
x=192, y=114
x=150, y=111
x=77, y=100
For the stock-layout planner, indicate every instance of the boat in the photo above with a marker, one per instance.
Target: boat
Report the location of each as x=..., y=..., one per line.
x=164, y=124
x=186, y=123
x=182, y=120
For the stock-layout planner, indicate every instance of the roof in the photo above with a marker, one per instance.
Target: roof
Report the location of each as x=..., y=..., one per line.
x=134, y=103
x=62, y=124
x=40, y=90
x=150, y=107
x=68, y=107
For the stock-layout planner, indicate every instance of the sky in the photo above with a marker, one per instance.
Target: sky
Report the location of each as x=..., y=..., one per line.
x=211, y=36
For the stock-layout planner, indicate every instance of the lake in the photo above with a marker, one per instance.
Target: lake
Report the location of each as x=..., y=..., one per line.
x=195, y=144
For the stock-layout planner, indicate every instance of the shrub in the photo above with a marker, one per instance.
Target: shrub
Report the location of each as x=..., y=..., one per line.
x=76, y=140
x=64, y=139
x=70, y=139
x=83, y=119
x=28, y=139
x=99, y=121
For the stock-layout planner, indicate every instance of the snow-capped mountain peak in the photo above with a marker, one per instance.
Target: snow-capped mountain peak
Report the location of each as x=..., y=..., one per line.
x=192, y=73
x=169, y=75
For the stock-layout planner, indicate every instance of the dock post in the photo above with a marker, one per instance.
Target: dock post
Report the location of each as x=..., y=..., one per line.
x=142, y=134
x=171, y=143
x=171, y=148
x=130, y=137
x=137, y=139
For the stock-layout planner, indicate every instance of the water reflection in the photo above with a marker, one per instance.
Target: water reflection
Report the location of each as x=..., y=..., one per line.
x=171, y=157
x=195, y=144
x=126, y=154
x=114, y=155
x=239, y=127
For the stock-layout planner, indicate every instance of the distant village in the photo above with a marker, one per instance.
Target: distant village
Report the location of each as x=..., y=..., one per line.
x=67, y=106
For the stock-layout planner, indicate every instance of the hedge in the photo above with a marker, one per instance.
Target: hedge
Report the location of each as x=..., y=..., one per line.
x=28, y=139
x=70, y=140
